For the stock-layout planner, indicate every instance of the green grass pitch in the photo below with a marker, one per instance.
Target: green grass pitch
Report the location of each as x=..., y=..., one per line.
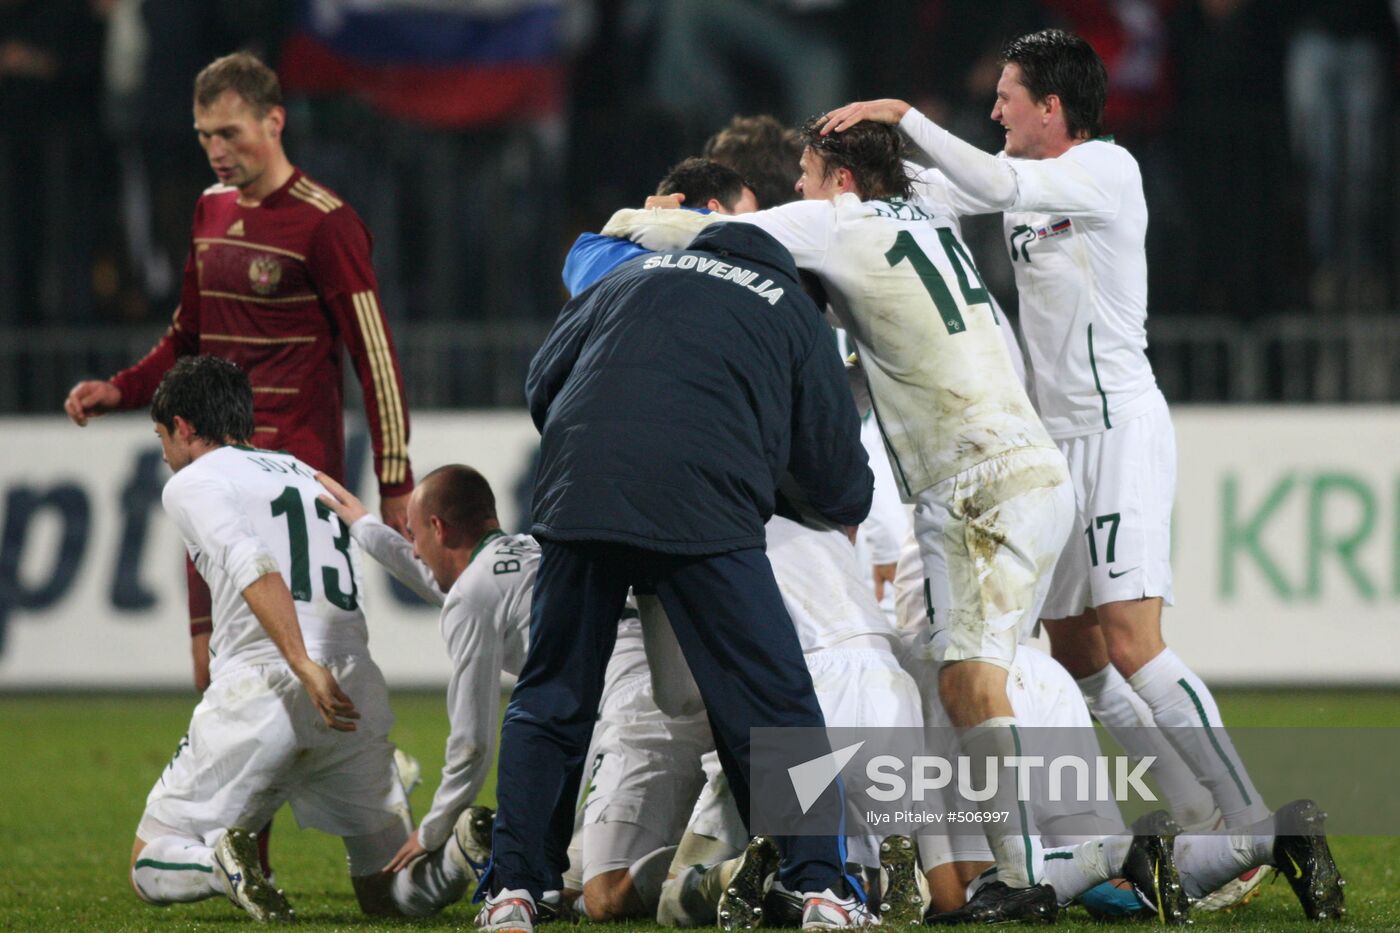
x=77, y=769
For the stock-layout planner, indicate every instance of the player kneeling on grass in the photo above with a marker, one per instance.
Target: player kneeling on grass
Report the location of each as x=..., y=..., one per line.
x=296, y=710
x=461, y=560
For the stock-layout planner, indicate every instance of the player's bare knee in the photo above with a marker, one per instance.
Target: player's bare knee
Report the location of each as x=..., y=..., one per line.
x=610, y=896
x=1077, y=643
x=973, y=691
x=376, y=894
x=1132, y=631
x=946, y=890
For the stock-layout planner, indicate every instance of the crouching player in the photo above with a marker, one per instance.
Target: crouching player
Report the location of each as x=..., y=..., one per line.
x=296, y=710
x=850, y=650
x=483, y=578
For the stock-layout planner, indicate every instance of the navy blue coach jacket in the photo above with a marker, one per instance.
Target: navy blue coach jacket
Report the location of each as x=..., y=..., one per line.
x=673, y=395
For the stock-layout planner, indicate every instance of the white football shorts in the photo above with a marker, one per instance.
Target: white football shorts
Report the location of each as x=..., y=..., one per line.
x=1124, y=483
x=989, y=538
x=255, y=740
x=646, y=775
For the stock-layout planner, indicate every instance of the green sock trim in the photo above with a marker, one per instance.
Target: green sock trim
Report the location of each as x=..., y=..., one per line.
x=1021, y=806
x=1050, y=855
x=1210, y=733
x=173, y=866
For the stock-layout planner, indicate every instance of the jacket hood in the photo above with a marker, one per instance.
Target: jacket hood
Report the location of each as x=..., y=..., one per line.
x=745, y=241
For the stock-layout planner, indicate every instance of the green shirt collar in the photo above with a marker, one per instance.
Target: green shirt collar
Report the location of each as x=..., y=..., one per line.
x=486, y=539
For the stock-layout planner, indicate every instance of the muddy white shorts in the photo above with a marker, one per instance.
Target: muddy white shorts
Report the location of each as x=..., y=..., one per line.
x=255, y=741
x=988, y=538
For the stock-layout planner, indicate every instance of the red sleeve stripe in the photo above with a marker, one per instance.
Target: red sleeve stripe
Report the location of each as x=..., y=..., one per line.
x=394, y=456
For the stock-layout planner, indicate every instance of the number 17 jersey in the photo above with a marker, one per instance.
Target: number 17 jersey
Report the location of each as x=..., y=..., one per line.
x=244, y=513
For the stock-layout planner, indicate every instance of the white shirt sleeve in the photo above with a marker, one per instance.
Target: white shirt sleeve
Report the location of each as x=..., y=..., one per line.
x=473, y=627
x=931, y=186
x=389, y=548
x=984, y=182
x=209, y=513
x=1079, y=182
x=658, y=229
x=1084, y=182
x=888, y=520
x=805, y=228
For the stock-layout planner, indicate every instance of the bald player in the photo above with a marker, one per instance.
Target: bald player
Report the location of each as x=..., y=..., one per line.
x=461, y=560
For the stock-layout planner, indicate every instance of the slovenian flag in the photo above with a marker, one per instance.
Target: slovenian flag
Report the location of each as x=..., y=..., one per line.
x=446, y=63
x=1060, y=227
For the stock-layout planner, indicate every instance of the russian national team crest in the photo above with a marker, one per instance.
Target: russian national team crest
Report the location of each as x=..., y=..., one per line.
x=264, y=273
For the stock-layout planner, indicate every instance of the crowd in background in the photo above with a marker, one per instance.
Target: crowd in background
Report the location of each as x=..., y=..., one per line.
x=478, y=148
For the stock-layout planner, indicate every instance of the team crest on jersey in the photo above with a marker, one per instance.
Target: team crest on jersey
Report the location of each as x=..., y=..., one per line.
x=264, y=273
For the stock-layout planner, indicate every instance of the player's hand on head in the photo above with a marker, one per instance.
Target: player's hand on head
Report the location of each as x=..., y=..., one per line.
x=394, y=511
x=341, y=501
x=408, y=853
x=337, y=710
x=90, y=398
x=886, y=110
x=665, y=201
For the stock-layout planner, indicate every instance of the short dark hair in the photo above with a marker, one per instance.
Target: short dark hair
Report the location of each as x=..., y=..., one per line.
x=1053, y=61
x=212, y=394
x=244, y=74
x=764, y=152
x=700, y=180
x=461, y=498
x=872, y=152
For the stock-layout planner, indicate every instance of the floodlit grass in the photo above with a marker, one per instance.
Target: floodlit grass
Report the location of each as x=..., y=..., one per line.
x=77, y=769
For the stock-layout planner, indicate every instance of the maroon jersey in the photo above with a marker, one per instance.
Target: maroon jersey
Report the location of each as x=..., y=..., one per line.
x=277, y=289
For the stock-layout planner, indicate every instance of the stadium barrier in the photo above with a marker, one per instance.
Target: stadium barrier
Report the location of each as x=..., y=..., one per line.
x=455, y=364
x=1287, y=547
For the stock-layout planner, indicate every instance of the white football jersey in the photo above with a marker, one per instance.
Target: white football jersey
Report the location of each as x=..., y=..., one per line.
x=245, y=513
x=1076, y=226
x=826, y=592
x=485, y=623
x=904, y=287
x=1077, y=235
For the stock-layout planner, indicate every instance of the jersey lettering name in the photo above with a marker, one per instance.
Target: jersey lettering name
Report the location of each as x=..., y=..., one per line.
x=900, y=210
x=274, y=466
x=720, y=270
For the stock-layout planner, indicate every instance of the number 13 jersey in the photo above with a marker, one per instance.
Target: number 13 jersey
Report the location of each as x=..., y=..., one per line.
x=244, y=513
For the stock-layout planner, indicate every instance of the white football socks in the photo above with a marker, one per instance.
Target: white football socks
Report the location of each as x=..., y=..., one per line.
x=1183, y=706
x=176, y=870
x=431, y=883
x=1014, y=840
x=648, y=874
x=1208, y=862
x=686, y=901
x=1072, y=870
x=1113, y=702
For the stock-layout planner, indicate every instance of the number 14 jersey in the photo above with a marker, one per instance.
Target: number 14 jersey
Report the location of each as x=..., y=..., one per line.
x=244, y=513
x=905, y=288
